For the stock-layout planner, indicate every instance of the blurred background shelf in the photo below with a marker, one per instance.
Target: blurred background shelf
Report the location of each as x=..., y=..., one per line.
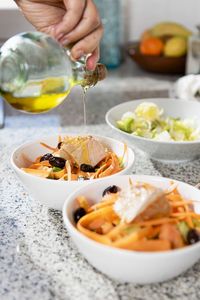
x=136, y=16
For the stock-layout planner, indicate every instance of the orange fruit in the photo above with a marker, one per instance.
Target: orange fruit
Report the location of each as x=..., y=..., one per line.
x=152, y=46
x=145, y=35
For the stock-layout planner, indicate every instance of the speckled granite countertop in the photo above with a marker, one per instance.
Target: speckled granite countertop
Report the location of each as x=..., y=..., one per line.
x=38, y=261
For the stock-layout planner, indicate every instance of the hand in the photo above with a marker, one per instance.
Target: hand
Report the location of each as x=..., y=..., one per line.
x=68, y=21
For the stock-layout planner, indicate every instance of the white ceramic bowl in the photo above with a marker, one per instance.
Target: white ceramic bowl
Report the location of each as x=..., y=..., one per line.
x=125, y=265
x=159, y=150
x=53, y=193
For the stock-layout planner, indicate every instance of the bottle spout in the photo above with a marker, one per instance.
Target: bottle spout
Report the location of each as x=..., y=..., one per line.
x=102, y=71
x=92, y=77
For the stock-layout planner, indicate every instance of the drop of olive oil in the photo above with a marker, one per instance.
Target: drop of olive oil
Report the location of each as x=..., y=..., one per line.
x=50, y=96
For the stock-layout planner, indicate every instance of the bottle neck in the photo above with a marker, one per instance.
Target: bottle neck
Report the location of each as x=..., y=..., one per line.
x=86, y=78
x=12, y=71
x=83, y=76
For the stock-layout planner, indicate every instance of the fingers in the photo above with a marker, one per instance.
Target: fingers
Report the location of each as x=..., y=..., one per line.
x=75, y=10
x=81, y=24
x=88, y=44
x=92, y=60
x=89, y=22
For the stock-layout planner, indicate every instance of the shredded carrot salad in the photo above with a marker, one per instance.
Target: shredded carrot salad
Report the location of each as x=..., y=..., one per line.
x=177, y=228
x=66, y=170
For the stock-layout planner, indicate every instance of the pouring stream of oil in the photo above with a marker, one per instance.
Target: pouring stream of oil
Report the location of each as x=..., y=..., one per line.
x=84, y=106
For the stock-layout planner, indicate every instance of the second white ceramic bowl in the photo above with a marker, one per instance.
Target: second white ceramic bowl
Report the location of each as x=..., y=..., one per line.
x=125, y=265
x=159, y=150
x=53, y=193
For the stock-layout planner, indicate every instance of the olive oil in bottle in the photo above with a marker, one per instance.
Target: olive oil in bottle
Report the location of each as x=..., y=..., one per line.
x=37, y=74
x=39, y=103
x=34, y=104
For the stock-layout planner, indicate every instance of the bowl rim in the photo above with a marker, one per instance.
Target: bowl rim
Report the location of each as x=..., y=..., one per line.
x=110, y=111
x=113, y=250
x=131, y=159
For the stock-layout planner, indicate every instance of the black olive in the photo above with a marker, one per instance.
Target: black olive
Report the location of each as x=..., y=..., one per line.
x=87, y=168
x=79, y=213
x=57, y=162
x=193, y=236
x=59, y=145
x=46, y=156
x=81, y=178
x=111, y=189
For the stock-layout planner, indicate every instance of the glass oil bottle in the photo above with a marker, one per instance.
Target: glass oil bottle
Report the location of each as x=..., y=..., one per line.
x=37, y=74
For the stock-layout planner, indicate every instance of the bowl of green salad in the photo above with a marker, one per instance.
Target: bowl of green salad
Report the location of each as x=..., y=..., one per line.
x=165, y=129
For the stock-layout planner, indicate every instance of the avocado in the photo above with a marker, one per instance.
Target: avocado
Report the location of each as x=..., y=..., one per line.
x=184, y=229
x=125, y=124
x=170, y=28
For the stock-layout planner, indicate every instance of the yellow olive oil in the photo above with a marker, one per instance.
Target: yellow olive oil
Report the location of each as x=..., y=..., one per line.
x=35, y=104
x=47, y=100
x=50, y=95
